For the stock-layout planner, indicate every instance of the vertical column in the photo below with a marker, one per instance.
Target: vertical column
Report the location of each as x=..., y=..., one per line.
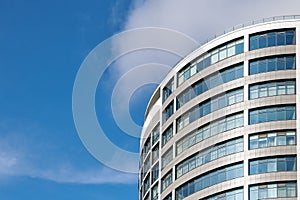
x=298, y=101
x=246, y=114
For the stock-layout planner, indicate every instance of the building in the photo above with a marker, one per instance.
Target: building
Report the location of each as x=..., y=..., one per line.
x=222, y=124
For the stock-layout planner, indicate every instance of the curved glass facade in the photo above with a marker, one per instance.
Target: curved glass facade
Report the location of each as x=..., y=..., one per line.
x=217, y=176
x=231, y=131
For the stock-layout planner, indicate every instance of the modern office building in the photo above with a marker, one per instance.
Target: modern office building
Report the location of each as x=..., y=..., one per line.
x=223, y=123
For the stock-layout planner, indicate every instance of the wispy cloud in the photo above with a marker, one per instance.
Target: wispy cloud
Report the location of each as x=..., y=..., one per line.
x=65, y=173
x=23, y=153
x=203, y=18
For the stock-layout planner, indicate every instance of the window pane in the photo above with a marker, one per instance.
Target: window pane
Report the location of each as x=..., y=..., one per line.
x=281, y=64
x=223, y=54
x=262, y=66
x=253, y=42
x=271, y=64
x=231, y=51
x=290, y=37
x=271, y=39
x=239, y=48
x=290, y=62
x=262, y=41
x=281, y=38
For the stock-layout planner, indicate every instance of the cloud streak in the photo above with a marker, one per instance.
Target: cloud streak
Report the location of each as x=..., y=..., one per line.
x=10, y=165
x=23, y=153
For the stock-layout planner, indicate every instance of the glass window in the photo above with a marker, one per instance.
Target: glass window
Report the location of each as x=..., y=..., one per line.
x=273, y=190
x=281, y=38
x=166, y=180
x=214, y=128
x=281, y=63
x=290, y=37
x=209, y=154
x=167, y=157
x=239, y=48
x=272, y=38
x=254, y=42
x=262, y=41
x=272, y=88
x=209, y=82
x=271, y=64
x=167, y=135
x=213, y=56
x=155, y=134
x=266, y=165
x=211, y=178
x=273, y=139
x=168, y=89
x=231, y=51
x=223, y=53
x=271, y=114
x=168, y=112
x=209, y=106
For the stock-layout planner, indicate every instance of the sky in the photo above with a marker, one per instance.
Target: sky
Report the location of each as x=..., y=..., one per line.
x=43, y=45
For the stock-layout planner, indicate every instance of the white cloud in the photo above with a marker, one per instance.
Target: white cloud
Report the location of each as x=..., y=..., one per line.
x=203, y=18
x=199, y=19
x=10, y=165
x=24, y=152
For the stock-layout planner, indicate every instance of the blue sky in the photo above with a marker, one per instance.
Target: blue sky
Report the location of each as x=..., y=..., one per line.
x=42, y=46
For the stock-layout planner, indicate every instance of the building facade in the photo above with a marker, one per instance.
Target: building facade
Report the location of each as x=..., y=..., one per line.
x=223, y=123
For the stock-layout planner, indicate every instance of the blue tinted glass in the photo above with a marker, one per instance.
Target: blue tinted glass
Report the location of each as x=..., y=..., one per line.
x=253, y=144
x=290, y=37
x=290, y=62
x=271, y=114
x=200, y=66
x=239, y=71
x=271, y=39
x=291, y=164
x=290, y=113
x=224, y=77
x=262, y=116
x=262, y=142
x=281, y=114
x=239, y=48
x=271, y=64
x=213, y=180
x=281, y=63
x=253, y=168
x=281, y=165
x=290, y=140
x=271, y=141
x=197, y=89
x=262, y=41
x=186, y=74
x=230, y=75
x=191, y=188
x=253, y=119
x=221, y=176
x=262, y=167
x=262, y=66
x=254, y=67
x=205, y=182
x=206, y=62
x=206, y=108
x=204, y=86
x=253, y=42
x=281, y=38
